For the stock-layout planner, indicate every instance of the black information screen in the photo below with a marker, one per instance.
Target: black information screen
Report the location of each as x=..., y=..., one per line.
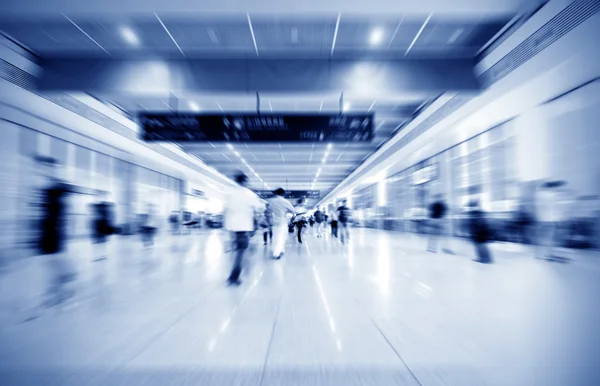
x=291, y=194
x=256, y=128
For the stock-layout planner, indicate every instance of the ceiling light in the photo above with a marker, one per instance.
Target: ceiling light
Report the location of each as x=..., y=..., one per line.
x=347, y=106
x=329, y=146
x=194, y=106
x=376, y=36
x=455, y=35
x=129, y=36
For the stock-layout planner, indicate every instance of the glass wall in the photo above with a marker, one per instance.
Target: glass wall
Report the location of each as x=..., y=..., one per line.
x=481, y=168
x=128, y=186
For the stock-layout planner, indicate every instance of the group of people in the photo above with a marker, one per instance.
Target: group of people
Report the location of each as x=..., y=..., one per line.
x=276, y=221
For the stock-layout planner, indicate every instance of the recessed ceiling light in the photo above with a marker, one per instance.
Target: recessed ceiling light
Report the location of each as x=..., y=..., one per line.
x=129, y=36
x=213, y=36
x=376, y=36
x=194, y=106
x=455, y=35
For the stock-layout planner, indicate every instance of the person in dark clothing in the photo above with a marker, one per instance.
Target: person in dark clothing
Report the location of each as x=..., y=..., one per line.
x=103, y=227
x=53, y=229
x=480, y=233
x=319, y=217
x=437, y=212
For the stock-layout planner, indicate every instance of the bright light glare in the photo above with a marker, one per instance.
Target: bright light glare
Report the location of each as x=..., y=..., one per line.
x=376, y=36
x=329, y=146
x=230, y=146
x=347, y=106
x=129, y=36
x=194, y=106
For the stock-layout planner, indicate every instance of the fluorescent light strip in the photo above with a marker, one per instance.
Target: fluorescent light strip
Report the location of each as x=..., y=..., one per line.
x=252, y=33
x=169, y=33
x=85, y=33
x=418, y=34
x=372, y=105
x=395, y=32
x=335, y=34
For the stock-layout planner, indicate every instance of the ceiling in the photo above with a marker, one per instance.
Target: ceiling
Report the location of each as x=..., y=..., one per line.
x=292, y=166
x=247, y=35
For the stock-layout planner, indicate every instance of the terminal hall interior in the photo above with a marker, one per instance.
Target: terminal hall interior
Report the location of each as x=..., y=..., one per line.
x=299, y=193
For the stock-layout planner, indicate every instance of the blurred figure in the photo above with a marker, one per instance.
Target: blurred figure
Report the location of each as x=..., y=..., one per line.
x=300, y=218
x=549, y=217
x=239, y=220
x=480, y=232
x=334, y=224
x=268, y=223
x=148, y=226
x=344, y=217
x=103, y=227
x=320, y=221
x=280, y=207
x=437, y=212
x=174, y=221
x=53, y=229
x=523, y=221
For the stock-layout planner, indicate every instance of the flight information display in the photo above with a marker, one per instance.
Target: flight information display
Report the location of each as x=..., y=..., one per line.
x=172, y=127
x=290, y=194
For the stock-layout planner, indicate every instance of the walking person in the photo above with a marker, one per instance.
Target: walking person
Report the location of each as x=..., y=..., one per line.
x=241, y=206
x=103, y=227
x=480, y=232
x=280, y=207
x=53, y=229
x=319, y=220
x=344, y=217
x=268, y=224
x=334, y=224
x=300, y=218
x=437, y=212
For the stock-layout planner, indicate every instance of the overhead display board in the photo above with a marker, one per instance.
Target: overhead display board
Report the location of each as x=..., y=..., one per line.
x=291, y=194
x=172, y=127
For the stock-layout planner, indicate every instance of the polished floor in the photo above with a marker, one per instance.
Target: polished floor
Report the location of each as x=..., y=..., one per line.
x=379, y=311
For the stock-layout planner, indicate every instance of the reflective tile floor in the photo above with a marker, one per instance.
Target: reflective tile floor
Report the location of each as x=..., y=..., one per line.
x=379, y=311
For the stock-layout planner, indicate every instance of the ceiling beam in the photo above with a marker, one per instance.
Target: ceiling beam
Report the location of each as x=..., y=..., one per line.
x=242, y=76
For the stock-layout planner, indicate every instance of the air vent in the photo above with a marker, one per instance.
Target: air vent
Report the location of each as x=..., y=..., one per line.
x=561, y=24
x=16, y=76
x=28, y=82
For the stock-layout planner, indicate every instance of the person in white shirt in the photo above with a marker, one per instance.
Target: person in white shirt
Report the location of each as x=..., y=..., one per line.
x=280, y=208
x=300, y=218
x=240, y=209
